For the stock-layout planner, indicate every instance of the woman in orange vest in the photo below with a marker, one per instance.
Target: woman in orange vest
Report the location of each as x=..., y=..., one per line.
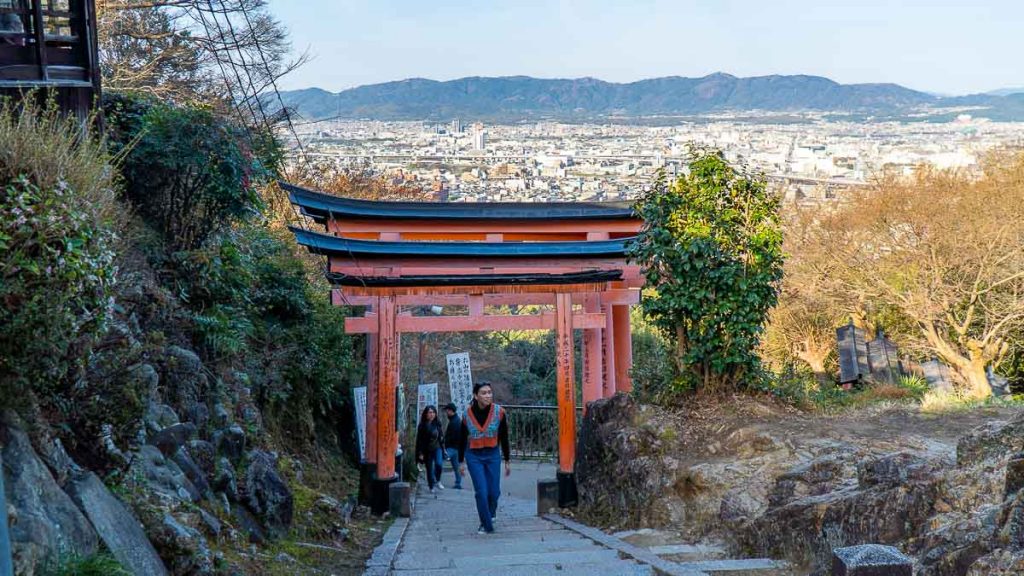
x=484, y=429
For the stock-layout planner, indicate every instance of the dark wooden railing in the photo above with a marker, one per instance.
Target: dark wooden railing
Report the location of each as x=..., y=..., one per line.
x=48, y=43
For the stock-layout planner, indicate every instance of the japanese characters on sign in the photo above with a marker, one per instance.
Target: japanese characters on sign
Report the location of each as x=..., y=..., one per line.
x=359, y=395
x=426, y=396
x=460, y=380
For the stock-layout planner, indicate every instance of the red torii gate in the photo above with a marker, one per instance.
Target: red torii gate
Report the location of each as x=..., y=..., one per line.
x=389, y=255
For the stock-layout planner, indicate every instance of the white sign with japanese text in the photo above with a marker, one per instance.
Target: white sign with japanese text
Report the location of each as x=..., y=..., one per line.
x=427, y=396
x=460, y=380
x=359, y=395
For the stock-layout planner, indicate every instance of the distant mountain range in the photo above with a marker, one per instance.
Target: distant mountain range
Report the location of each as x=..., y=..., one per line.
x=1006, y=91
x=523, y=97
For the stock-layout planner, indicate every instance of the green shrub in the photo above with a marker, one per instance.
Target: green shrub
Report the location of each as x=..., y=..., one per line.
x=94, y=565
x=711, y=247
x=188, y=172
x=654, y=374
x=58, y=215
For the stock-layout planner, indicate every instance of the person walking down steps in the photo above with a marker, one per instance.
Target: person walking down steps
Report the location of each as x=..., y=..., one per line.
x=452, y=441
x=430, y=446
x=484, y=429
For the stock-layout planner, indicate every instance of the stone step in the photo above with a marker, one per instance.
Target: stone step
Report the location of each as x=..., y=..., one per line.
x=493, y=540
x=618, y=568
x=472, y=548
x=496, y=559
x=468, y=528
x=744, y=566
x=686, y=550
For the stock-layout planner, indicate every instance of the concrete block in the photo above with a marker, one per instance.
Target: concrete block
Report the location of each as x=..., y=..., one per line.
x=547, y=495
x=400, y=500
x=871, y=560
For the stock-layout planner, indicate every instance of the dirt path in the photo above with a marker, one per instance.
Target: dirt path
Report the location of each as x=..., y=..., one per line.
x=731, y=427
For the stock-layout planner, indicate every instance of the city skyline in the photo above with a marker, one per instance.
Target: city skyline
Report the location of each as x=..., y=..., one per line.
x=912, y=43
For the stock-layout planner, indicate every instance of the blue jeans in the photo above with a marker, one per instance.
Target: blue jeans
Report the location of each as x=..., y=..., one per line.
x=452, y=454
x=484, y=466
x=434, y=465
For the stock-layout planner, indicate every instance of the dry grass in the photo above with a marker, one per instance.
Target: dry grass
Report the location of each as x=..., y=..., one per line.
x=47, y=147
x=939, y=402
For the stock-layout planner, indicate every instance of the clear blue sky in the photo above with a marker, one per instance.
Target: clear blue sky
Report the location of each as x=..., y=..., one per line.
x=953, y=47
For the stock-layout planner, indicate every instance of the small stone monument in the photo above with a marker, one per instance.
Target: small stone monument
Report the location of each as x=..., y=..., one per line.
x=871, y=560
x=400, y=500
x=547, y=495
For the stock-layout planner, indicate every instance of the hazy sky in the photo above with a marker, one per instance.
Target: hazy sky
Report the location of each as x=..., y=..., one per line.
x=939, y=46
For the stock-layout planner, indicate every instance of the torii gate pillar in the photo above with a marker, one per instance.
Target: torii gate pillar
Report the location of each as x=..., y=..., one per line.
x=623, y=337
x=386, y=372
x=566, y=387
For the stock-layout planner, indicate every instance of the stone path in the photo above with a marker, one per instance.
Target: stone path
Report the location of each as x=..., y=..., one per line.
x=441, y=540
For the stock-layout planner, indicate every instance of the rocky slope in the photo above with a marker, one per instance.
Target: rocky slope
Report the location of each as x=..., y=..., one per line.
x=198, y=485
x=768, y=482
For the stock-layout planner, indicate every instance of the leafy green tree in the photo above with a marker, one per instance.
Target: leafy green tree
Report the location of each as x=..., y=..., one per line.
x=188, y=172
x=711, y=245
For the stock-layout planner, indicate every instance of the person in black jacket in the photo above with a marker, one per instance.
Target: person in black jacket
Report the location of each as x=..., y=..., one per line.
x=430, y=446
x=452, y=441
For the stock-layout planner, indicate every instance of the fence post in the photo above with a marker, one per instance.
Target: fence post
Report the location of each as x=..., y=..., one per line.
x=6, y=563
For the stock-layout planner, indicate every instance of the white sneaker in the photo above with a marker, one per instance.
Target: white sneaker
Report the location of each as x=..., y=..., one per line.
x=439, y=486
x=481, y=530
x=431, y=490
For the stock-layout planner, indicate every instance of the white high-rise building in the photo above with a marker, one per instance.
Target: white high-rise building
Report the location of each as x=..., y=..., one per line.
x=479, y=137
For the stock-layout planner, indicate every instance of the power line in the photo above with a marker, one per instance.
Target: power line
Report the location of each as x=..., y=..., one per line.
x=237, y=45
x=273, y=83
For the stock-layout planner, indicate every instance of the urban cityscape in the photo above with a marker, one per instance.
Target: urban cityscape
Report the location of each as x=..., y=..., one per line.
x=811, y=158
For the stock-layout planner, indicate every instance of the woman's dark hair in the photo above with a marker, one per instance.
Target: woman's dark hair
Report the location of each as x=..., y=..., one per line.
x=423, y=415
x=479, y=385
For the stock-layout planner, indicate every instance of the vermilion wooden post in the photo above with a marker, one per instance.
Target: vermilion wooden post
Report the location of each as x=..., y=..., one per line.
x=608, y=335
x=623, y=348
x=592, y=387
x=387, y=383
x=371, y=398
x=564, y=364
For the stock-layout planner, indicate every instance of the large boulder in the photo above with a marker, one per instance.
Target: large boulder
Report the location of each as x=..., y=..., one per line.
x=995, y=440
x=184, y=380
x=267, y=494
x=163, y=477
x=182, y=547
x=890, y=502
x=47, y=523
x=230, y=442
x=622, y=470
x=159, y=416
x=119, y=529
x=192, y=471
x=224, y=480
x=172, y=438
x=203, y=453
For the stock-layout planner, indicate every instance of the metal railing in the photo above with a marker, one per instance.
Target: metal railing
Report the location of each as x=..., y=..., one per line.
x=6, y=563
x=533, y=431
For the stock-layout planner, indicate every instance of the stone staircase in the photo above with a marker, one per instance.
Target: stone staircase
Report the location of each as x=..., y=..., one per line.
x=441, y=539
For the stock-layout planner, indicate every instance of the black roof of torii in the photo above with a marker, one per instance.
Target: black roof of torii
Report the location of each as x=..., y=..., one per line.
x=321, y=206
x=334, y=246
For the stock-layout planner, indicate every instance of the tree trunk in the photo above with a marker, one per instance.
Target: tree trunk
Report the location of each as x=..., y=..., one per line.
x=974, y=374
x=815, y=358
x=970, y=367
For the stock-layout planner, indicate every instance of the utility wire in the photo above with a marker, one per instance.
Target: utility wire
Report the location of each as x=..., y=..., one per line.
x=237, y=46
